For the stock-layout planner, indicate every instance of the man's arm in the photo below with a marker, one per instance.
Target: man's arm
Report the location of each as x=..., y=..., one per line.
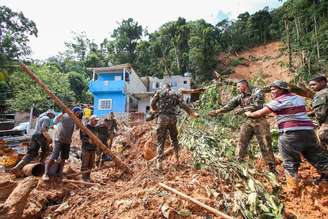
x=259, y=113
x=320, y=113
x=232, y=104
x=153, y=102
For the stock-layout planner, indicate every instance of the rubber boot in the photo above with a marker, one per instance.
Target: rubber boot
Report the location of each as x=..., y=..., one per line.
x=17, y=170
x=159, y=165
x=322, y=178
x=272, y=168
x=61, y=168
x=45, y=177
x=292, y=185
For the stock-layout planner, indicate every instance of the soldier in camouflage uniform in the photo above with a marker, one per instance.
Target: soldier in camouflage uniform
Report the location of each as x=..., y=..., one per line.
x=106, y=133
x=251, y=99
x=320, y=107
x=165, y=103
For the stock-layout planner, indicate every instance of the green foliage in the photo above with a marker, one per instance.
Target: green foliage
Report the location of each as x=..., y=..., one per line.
x=14, y=31
x=212, y=142
x=79, y=86
x=26, y=92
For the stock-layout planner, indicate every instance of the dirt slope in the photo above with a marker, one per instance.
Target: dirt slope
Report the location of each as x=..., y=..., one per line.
x=269, y=62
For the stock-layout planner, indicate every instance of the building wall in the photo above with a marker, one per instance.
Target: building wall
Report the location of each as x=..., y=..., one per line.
x=118, y=103
x=135, y=84
x=143, y=103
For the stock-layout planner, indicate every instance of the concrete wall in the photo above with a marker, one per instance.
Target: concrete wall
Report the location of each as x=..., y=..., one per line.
x=143, y=103
x=135, y=84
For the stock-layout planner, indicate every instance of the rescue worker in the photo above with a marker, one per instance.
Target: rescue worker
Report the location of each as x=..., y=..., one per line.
x=106, y=133
x=251, y=99
x=297, y=136
x=40, y=139
x=165, y=102
x=320, y=107
x=88, y=149
x=62, y=141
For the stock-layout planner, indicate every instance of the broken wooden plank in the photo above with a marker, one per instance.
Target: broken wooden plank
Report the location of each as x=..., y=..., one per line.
x=195, y=201
x=76, y=120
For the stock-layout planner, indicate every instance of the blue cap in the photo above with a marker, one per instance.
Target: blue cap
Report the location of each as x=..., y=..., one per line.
x=76, y=109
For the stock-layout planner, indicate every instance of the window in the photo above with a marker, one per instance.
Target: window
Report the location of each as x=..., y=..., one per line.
x=117, y=77
x=127, y=77
x=106, y=83
x=185, y=82
x=157, y=85
x=105, y=104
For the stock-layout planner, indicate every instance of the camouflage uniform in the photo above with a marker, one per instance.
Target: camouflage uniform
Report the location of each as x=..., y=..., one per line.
x=252, y=101
x=106, y=133
x=166, y=102
x=88, y=152
x=320, y=109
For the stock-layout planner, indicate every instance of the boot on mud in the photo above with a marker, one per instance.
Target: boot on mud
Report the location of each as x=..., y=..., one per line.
x=322, y=179
x=272, y=168
x=159, y=166
x=292, y=185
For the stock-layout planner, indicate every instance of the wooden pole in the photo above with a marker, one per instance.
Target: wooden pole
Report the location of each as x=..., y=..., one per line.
x=76, y=120
x=79, y=182
x=195, y=201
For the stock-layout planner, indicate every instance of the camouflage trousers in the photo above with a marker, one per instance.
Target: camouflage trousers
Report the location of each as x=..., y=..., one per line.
x=323, y=135
x=88, y=160
x=261, y=129
x=166, y=124
x=292, y=144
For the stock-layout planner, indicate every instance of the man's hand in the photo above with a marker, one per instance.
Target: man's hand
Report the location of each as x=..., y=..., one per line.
x=248, y=114
x=214, y=112
x=194, y=115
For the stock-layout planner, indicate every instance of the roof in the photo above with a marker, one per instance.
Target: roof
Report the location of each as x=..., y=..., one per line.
x=111, y=68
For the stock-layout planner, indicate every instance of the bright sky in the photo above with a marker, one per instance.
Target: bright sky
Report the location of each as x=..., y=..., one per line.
x=57, y=19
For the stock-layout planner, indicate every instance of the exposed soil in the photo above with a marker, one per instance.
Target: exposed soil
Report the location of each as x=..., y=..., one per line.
x=268, y=62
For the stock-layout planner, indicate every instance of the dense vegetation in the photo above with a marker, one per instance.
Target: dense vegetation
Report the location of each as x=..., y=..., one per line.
x=175, y=48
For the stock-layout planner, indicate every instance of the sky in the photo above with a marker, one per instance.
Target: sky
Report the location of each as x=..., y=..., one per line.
x=56, y=20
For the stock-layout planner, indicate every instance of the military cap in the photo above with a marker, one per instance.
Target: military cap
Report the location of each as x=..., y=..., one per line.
x=280, y=84
x=318, y=78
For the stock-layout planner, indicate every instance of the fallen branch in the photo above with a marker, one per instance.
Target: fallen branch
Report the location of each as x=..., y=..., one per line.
x=76, y=120
x=87, y=171
x=80, y=182
x=195, y=201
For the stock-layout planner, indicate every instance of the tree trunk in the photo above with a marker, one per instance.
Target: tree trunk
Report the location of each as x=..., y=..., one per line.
x=14, y=205
x=316, y=37
x=288, y=44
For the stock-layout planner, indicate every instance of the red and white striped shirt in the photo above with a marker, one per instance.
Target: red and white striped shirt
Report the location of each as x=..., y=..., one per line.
x=290, y=113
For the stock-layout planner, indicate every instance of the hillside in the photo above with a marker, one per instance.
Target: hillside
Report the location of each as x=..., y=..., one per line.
x=267, y=62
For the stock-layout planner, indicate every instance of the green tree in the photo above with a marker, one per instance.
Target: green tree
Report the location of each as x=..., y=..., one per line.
x=27, y=93
x=126, y=38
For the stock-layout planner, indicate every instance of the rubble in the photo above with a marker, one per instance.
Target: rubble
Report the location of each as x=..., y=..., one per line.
x=115, y=194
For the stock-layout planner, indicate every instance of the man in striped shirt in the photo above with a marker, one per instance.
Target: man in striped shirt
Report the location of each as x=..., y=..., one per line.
x=297, y=134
